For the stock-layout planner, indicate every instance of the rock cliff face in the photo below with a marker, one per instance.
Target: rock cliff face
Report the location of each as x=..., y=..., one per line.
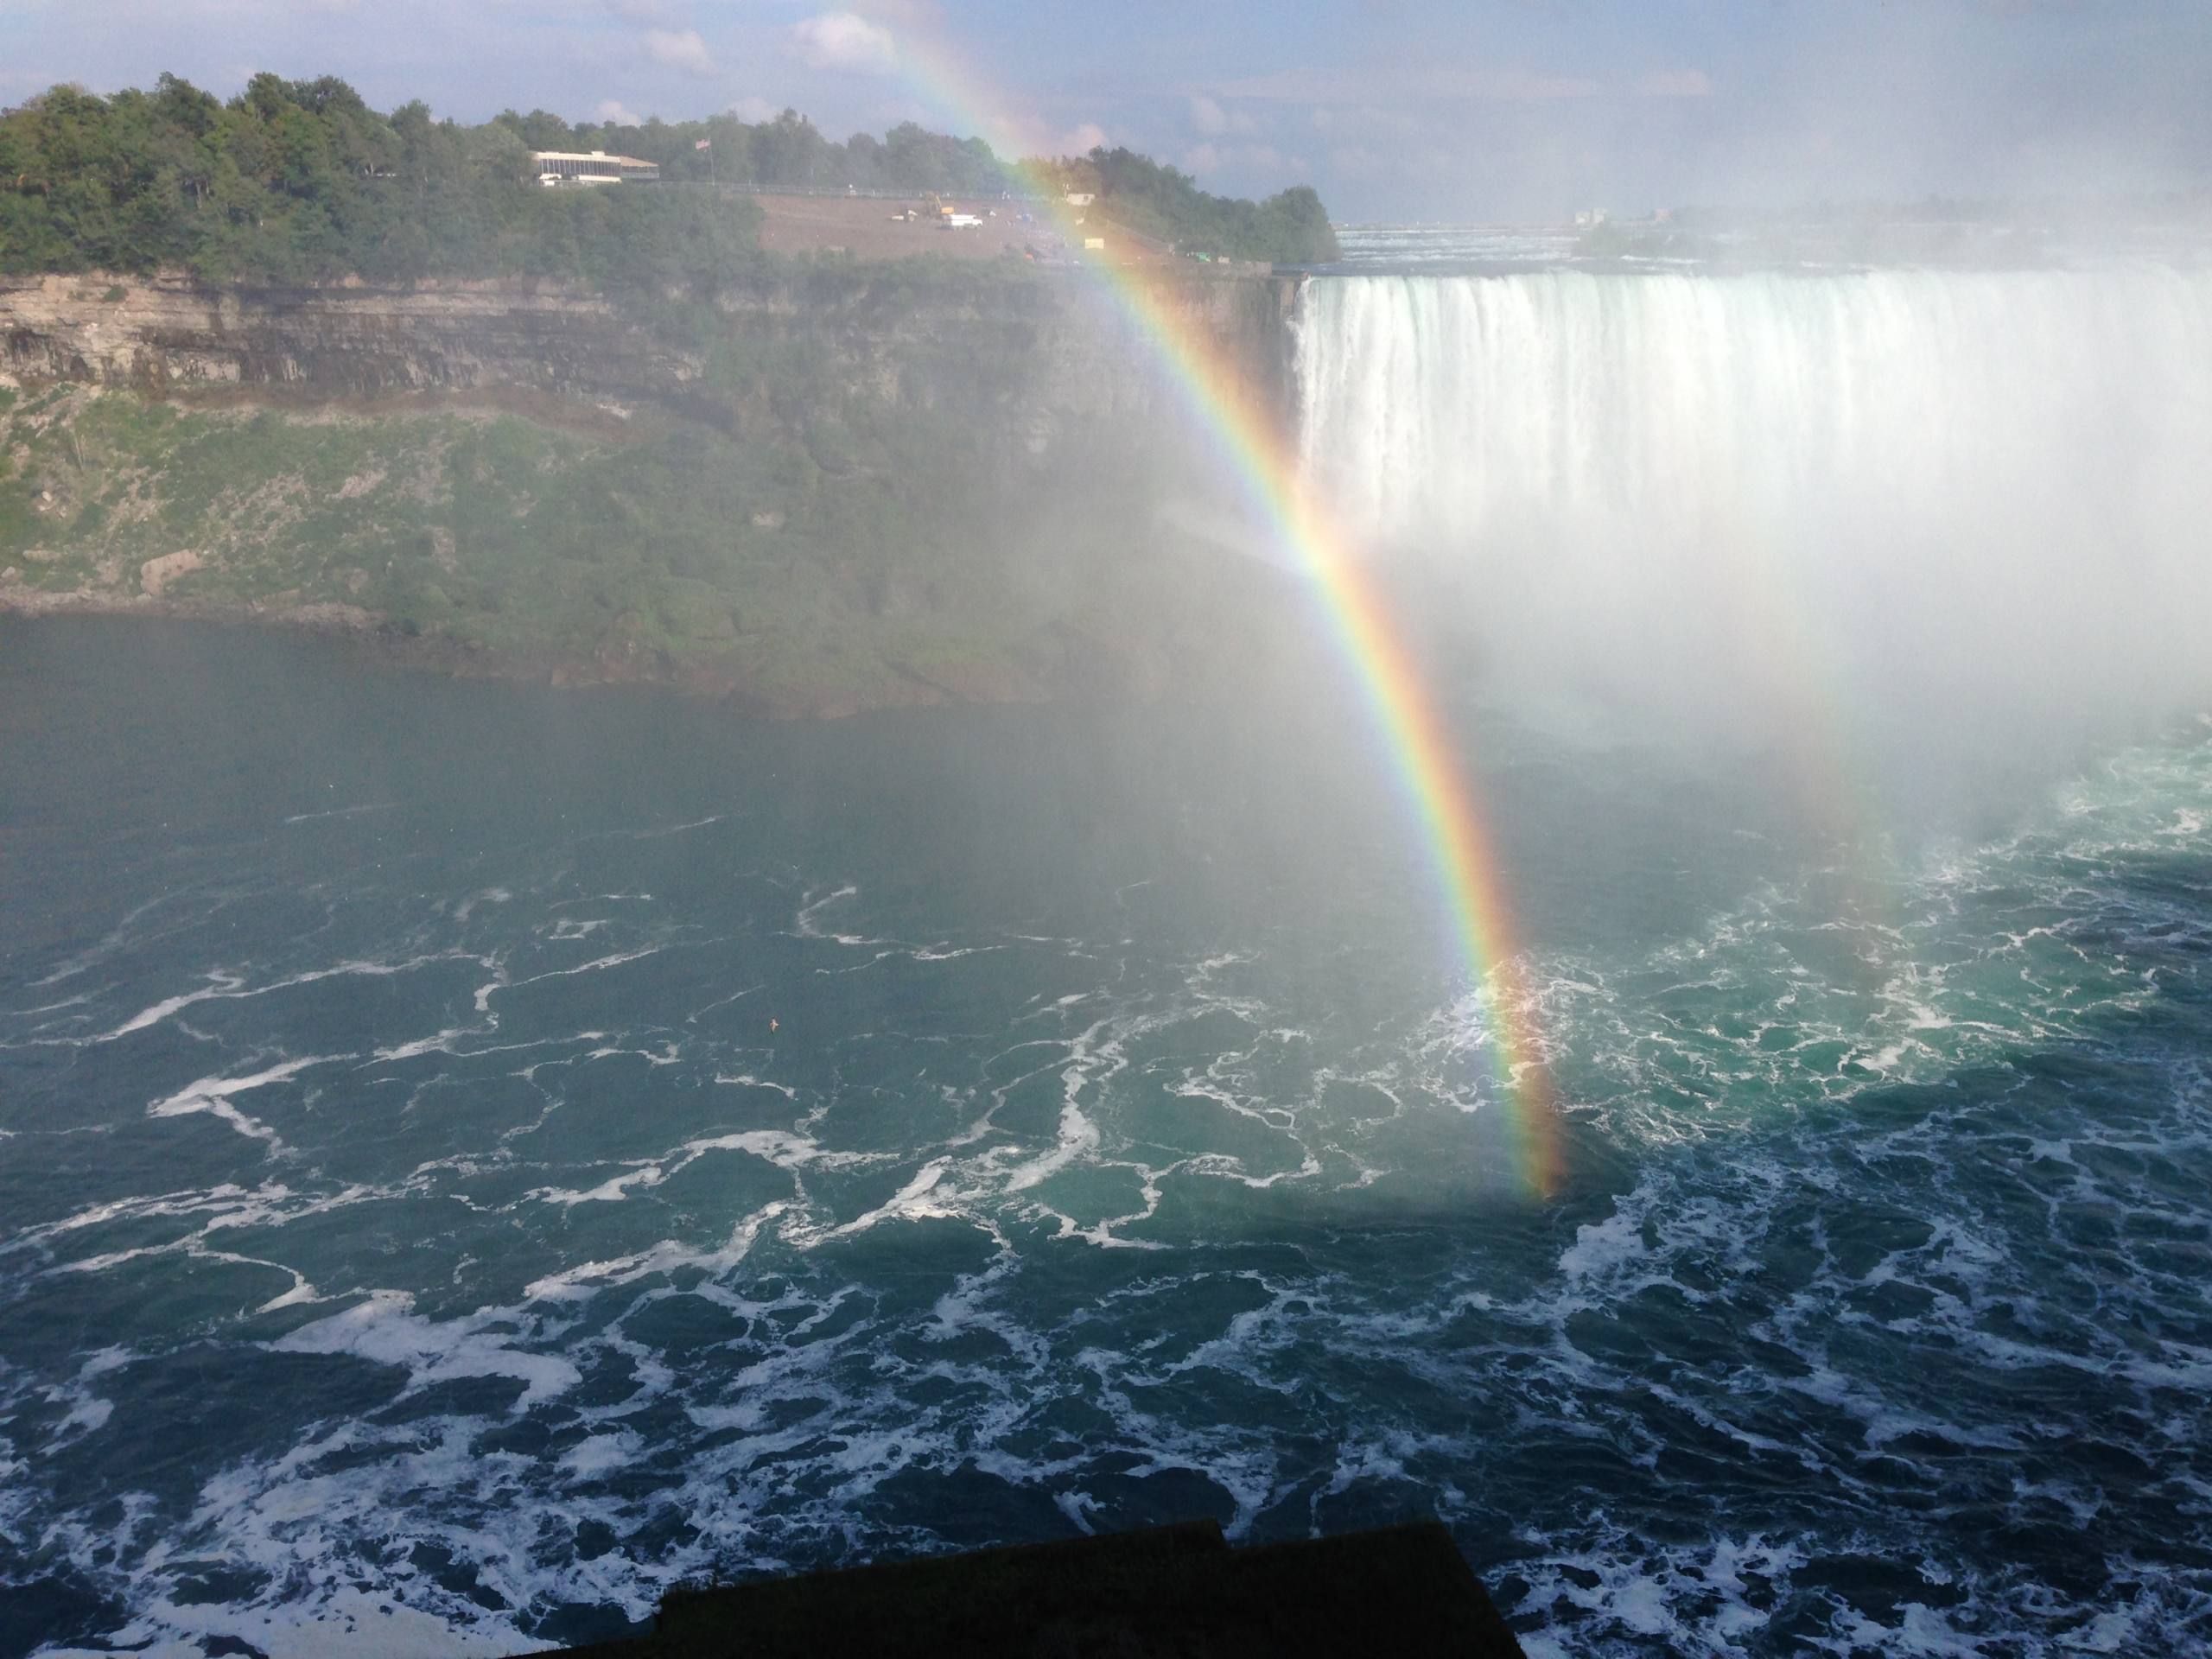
x=167, y=334
x=846, y=487
x=1060, y=349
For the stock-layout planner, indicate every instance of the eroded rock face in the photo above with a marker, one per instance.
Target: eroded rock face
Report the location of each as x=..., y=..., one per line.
x=157, y=574
x=1052, y=349
x=167, y=333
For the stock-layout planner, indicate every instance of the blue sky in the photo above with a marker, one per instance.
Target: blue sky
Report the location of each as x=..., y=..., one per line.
x=1395, y=109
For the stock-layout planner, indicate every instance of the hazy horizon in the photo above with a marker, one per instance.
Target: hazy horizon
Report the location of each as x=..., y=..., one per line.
x=1394, y=110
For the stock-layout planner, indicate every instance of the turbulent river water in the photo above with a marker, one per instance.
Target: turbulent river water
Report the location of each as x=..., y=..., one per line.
x=471, y=1156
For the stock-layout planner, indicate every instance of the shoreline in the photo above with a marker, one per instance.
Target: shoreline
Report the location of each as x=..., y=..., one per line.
x=379, y=638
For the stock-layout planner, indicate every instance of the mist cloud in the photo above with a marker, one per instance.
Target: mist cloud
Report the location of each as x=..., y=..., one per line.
x=680, y=50
x=1212, y=120
x=845, y=41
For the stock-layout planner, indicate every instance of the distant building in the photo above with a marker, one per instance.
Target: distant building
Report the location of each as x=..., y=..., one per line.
x=566, y=167
x=1080, y=198
x=1589, y=217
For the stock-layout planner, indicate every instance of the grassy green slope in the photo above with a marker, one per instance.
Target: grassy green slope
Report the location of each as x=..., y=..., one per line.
x=845, y=570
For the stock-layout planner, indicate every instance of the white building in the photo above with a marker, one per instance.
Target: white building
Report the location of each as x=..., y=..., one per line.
x=566, y=167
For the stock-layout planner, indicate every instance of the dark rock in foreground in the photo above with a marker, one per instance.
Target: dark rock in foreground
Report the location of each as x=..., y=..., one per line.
x=1175, y=1590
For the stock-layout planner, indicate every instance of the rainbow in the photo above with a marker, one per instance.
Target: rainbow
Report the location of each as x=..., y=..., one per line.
x=1436, y=788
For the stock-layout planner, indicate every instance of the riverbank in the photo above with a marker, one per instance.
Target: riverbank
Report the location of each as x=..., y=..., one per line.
x=378, y=638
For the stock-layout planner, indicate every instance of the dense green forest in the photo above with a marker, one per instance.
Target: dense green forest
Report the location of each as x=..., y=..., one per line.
x=300, y=182
x=1290, y=228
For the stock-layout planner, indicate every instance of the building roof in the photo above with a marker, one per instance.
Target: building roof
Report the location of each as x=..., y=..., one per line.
x=594, y=155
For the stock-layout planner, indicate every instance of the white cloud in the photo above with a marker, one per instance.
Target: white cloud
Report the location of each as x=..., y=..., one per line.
x=843, y=40
x=680, y=49
x=612, y=113
x=753, y=110
x=1674, y=83
x=1210, y=119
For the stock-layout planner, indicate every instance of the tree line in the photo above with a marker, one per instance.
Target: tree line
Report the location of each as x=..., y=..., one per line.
x=1290, y=228
x=299, y=181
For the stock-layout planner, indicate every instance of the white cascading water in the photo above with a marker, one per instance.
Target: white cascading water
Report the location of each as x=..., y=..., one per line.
x=1702, y=494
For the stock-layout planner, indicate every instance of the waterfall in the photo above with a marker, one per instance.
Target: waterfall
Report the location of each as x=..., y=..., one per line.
x=1694, y=488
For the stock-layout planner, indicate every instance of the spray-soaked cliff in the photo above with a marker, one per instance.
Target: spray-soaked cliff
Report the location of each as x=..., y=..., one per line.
x=844, y=485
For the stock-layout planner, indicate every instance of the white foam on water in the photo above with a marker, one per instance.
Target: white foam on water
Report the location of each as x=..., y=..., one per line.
x=746, y=1080
x=678, y=829
x=348, y=1622
x=466, y=907
x=596, y=965
x=89, y=1412
x=385, y=1329
x=913, y=1202
x=342, y=812
x=1603, y=1248
x=1078, y=1139
x=601, y=1453
x=1636, y=1597
x=437, y=1043
x=666, y=1054
x=226, y=1205
x=115, y=937
x=213, y=1095
x=807, y=926
x=220, y=984
x=226, y=986
x=587, y=1279
x=1692, y=1059
x=781, y=1148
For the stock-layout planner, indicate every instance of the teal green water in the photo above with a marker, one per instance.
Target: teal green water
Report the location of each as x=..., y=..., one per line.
x=471, y=1157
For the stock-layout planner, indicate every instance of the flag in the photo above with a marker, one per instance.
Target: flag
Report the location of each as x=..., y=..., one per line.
x=704, y=143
